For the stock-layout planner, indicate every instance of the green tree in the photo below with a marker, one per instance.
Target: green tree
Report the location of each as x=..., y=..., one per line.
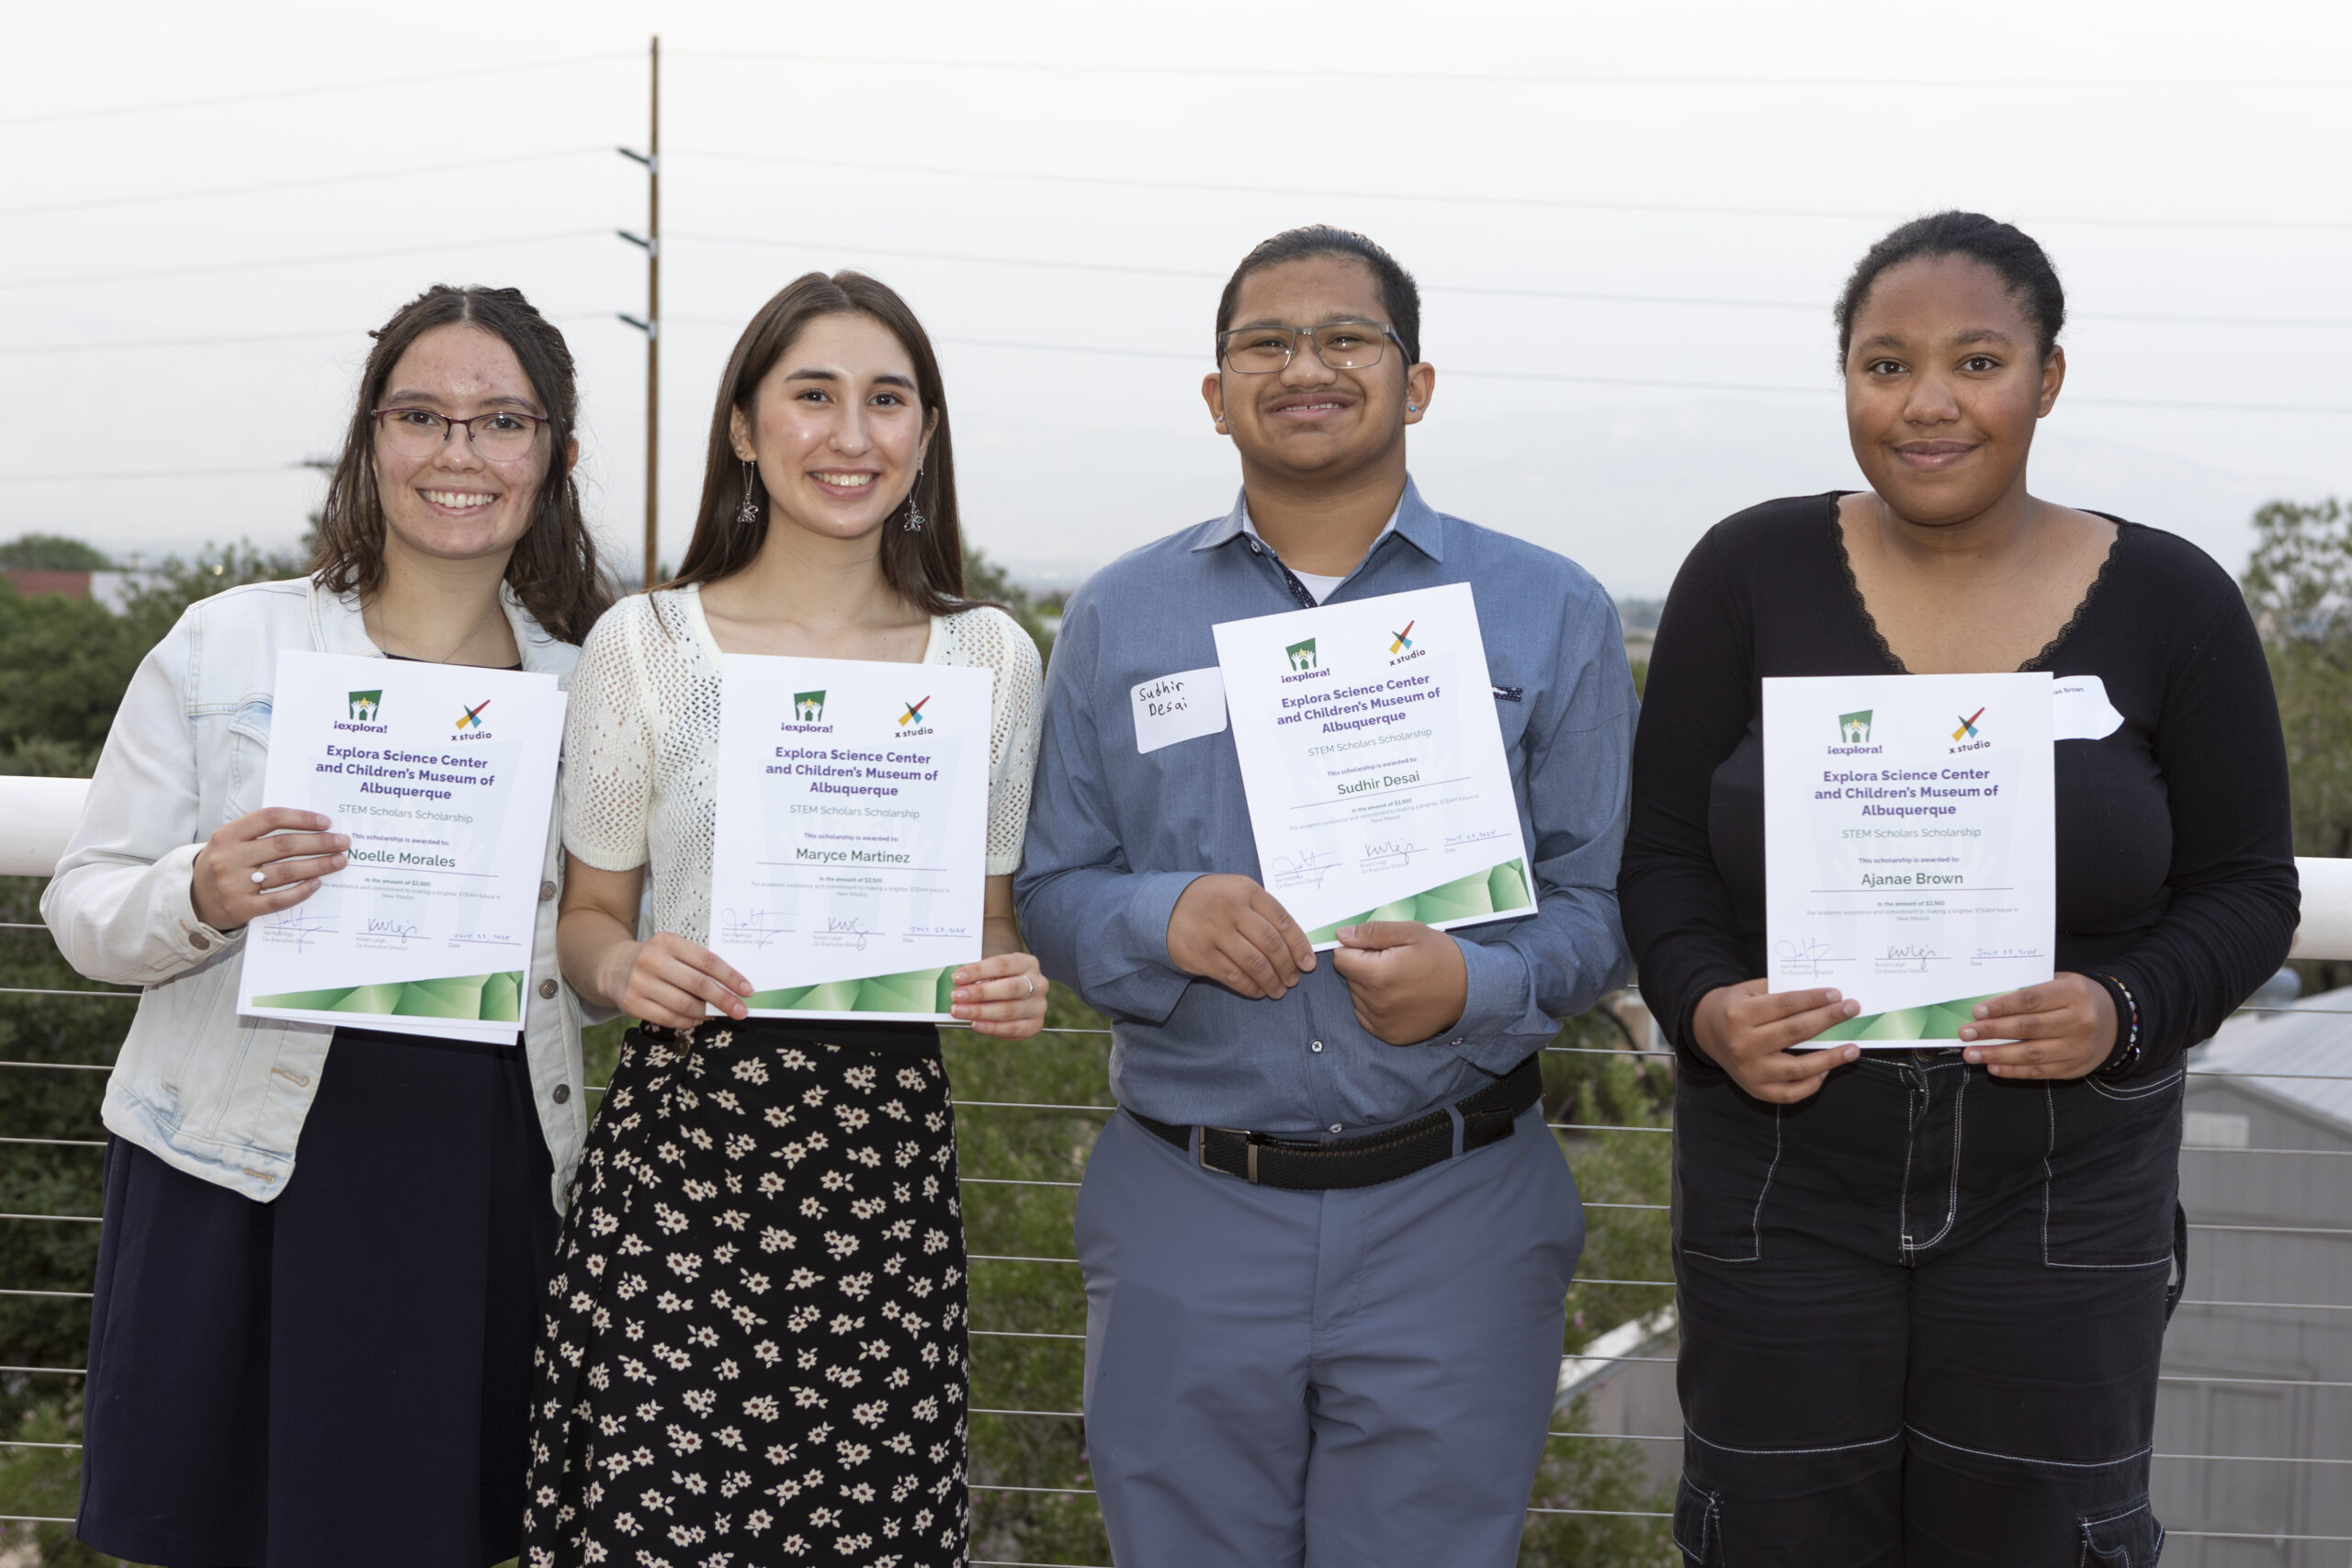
x=52, y=552
x=72, y=657
x=2298, y=586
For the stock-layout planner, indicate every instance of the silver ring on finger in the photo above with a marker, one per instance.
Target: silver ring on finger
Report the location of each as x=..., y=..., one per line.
x=260, y=877
x=1033, y=986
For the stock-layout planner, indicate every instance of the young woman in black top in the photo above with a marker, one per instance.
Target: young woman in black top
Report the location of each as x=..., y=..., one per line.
x=1923, y=1293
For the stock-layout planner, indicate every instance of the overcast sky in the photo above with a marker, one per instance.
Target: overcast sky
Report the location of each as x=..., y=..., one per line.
x=1629, y=221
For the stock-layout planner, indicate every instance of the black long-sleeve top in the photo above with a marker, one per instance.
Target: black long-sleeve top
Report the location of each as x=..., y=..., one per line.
x=2176, y=864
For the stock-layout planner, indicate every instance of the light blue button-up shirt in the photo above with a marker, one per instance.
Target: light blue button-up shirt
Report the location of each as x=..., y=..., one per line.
x=1115, y=835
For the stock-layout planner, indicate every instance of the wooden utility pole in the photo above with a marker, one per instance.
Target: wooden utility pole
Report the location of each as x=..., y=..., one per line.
x=650, y=241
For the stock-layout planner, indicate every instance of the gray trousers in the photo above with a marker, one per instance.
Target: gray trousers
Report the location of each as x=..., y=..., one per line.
x=1323, y=1379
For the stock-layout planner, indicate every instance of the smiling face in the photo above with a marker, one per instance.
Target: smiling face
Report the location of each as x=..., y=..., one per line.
x=836, y=427
x=1309, y=421
x=451, y=502
x=1944, y=382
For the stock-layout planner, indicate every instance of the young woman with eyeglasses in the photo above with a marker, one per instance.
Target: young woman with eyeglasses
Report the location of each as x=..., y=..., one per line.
x=754, y=1349
x=319, y=1276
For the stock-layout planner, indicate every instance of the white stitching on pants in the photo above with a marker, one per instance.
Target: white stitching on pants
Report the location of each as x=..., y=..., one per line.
x=1951, y=1201
x=1756, y=1219
x=1772, y=1453
x=2023, y=1459
x=2141, y=1093
x=2049, y=1187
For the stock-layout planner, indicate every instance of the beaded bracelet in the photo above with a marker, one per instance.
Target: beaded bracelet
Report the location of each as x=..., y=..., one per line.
x=2128, y=1057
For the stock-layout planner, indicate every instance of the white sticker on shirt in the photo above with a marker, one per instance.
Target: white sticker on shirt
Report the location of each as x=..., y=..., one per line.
x=1182, y=706
x=2079, y=709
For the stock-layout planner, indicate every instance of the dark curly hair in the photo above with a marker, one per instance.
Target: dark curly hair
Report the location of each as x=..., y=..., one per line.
x=2007, y=249
x=554, y=570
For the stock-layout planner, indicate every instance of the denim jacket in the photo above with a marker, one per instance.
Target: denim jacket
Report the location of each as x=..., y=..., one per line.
x=205, y=1090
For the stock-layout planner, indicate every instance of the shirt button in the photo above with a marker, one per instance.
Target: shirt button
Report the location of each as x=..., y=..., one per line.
x=547, y=891
x=1335, y=1126
x=562, y=1095
x=199, y=942
x=547, y=987
x=1314, y=1046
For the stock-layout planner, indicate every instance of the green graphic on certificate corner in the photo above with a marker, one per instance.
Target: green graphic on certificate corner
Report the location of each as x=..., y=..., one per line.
x=474, y=998
x=1939, y=1021
x=926, y=991
x=1492, y=891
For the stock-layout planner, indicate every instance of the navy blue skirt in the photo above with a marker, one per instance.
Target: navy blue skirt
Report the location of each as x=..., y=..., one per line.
x=339, y=1378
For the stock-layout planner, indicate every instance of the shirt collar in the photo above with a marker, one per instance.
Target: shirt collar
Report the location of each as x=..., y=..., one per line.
x=1421, y=523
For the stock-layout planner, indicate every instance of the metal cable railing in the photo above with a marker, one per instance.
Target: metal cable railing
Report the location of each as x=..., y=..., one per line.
x=1581, y=1130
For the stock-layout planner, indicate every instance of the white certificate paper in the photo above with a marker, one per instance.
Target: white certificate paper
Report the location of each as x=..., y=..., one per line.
x=1909, y=845
x=1373, y=764
x=849, y=871
x=443, y=776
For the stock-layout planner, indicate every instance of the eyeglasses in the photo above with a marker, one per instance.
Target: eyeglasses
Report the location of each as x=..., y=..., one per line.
x=500, y=435
x=1342, y=345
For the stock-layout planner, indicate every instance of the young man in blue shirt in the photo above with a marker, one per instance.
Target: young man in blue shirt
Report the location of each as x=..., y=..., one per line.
x=1327, y=1237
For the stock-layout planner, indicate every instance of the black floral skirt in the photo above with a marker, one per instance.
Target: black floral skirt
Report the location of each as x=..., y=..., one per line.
x=754, y=1347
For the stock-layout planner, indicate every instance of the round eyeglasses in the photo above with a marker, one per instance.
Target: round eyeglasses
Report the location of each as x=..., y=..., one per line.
x=500, y=435
x=1342, y=345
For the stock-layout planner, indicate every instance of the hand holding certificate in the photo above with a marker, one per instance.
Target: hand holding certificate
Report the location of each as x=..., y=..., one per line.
x=1909, y=846
x=850, y=864
x=1373, y=764
x=443, y=776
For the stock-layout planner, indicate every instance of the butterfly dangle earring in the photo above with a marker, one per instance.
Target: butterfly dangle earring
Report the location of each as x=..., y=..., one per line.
x=749, y=511
x=913, y=523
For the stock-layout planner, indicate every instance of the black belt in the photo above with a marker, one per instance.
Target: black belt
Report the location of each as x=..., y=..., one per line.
x=1263, y=1160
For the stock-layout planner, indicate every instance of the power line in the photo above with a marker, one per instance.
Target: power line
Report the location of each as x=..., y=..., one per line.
x=1461, y=199
x=312, y=183
x=153, y=474
x=231, y=340
x=275, y=95
x=1814, y=307
x=269, y=264
x=1115, y=68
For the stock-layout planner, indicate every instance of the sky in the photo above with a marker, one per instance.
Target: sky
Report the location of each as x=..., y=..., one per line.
x=1629, y=221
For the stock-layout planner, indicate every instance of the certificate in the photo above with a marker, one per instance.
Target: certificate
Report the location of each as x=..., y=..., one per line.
x=850, y=870
x=1373, y=764
x=443, y=777
x=1909, y=845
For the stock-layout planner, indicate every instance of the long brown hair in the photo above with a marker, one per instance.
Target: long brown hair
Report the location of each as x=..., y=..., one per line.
x=554, y=571
x=925, y=566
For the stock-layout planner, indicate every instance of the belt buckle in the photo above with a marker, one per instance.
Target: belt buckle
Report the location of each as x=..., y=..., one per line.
x=1249, y=1142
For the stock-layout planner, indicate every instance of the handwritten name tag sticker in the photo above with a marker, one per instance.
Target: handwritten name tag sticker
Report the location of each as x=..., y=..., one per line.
x=1182, y=706
x=2079, y=709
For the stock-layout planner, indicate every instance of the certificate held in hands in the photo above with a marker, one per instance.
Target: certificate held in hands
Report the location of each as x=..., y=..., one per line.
x=1373, y=764
x=443, y=777
x=1909, y=846
x=850, y=868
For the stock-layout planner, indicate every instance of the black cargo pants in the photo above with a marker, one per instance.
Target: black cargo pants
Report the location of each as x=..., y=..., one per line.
x=1921, y=1313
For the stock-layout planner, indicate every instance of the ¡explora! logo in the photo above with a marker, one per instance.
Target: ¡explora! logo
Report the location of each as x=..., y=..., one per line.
x=1301, y=655
x=364, y=705
x=1854, y=728
x=809, y=707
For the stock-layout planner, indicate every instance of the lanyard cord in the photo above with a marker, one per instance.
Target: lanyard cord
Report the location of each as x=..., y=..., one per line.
x=1305, y=600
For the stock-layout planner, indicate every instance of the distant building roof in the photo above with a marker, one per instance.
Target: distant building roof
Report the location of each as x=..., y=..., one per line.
x=2311, y=1036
